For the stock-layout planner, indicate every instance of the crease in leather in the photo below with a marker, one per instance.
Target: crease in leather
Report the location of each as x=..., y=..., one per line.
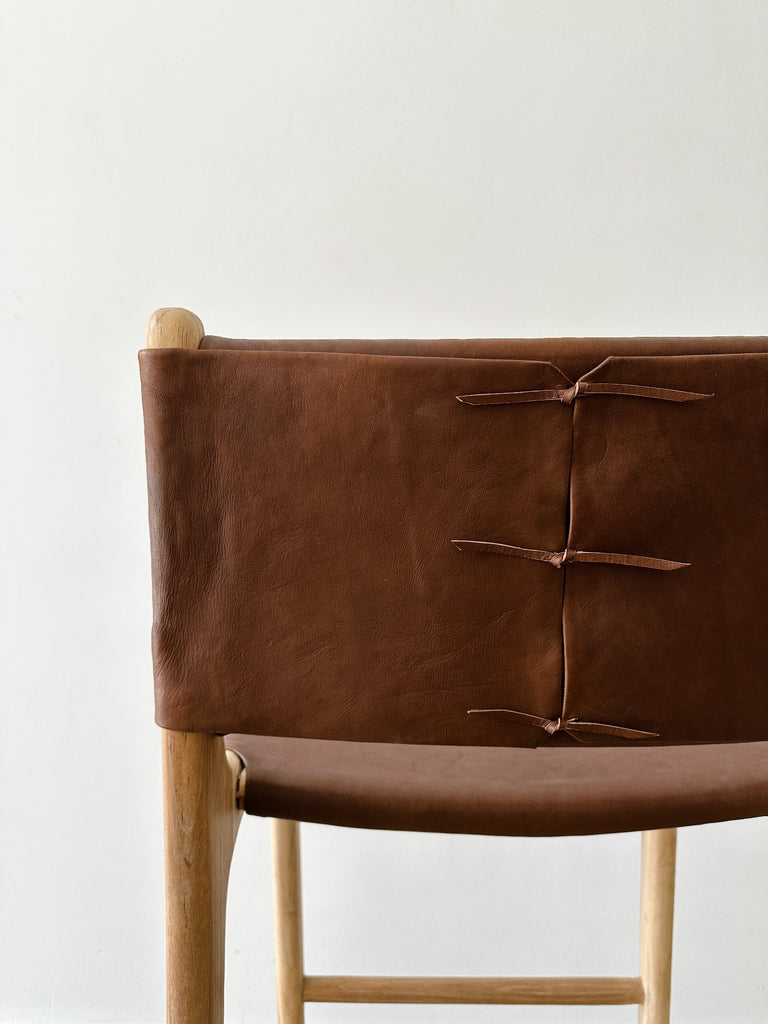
x=582, y=387
x=560, y=558
x=568, y=725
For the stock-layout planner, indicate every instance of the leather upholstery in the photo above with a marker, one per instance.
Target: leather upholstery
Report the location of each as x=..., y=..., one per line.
x=496, y=791
x=327, y=520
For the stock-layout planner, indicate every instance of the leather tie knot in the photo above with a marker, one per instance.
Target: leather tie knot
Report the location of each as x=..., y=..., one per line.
x=568, y=394
x=572, y=726
x=560, y=558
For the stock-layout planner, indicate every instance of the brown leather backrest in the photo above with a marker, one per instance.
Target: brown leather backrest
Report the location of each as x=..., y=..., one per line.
x=491, y=542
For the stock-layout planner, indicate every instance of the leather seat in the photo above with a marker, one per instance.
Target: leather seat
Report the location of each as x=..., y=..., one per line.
x=548, y=791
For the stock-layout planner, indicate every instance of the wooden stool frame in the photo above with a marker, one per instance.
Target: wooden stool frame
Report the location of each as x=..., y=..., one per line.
x=202, y=790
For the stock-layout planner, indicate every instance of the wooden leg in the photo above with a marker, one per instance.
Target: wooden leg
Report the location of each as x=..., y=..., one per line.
x=289, y=945
x=201, y=822
x=656, y=915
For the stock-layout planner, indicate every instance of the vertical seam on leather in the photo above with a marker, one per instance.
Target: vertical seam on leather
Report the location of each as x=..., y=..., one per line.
x=565, y=570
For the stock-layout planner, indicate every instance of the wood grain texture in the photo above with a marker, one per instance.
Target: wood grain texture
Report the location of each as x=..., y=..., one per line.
x=173, y=327
x=657, y=902
x=201, y=822
x=499, y=991
x=289, y=945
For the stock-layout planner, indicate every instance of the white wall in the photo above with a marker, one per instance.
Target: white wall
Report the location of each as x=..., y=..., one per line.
x=332, y=168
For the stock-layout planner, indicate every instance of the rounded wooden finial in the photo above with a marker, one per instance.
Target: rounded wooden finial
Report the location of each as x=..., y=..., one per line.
x=173, y=327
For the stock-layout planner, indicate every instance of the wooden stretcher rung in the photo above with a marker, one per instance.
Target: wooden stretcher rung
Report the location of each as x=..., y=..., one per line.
x=506, y=991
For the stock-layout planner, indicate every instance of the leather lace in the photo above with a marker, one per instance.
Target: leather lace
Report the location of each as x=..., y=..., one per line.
x=560, y=558
x=568, y=725
x=582, y=387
